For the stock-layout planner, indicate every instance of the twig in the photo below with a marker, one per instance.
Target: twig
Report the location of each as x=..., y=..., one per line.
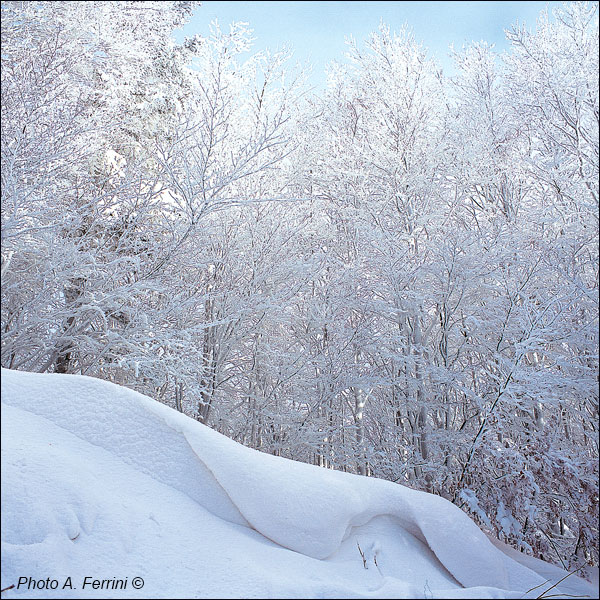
x=362, y=555
x=564, y=596
x=555, y=550
x=542, y=595
x=537, y=586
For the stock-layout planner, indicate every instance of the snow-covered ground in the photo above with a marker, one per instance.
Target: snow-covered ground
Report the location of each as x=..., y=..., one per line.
x=101, y=485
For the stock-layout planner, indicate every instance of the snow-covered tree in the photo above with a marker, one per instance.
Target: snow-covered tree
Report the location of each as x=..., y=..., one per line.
x=397, y=277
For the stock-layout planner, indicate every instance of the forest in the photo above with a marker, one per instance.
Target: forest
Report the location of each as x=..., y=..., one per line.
x=396, y=276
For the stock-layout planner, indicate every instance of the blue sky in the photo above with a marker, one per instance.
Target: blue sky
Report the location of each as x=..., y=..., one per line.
x=316, y=30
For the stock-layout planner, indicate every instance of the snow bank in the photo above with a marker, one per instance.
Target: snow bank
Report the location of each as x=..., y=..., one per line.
x=98, y=475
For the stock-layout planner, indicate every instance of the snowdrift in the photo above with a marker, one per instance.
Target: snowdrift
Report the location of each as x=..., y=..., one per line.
x=104, y=483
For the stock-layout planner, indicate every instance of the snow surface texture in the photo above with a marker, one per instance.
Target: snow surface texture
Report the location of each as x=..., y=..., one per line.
x=100, y=481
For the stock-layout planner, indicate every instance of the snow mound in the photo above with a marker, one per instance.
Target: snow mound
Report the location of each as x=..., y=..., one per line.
x=101, y=481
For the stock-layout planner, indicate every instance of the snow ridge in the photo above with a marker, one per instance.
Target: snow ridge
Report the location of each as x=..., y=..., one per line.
x=319, y=514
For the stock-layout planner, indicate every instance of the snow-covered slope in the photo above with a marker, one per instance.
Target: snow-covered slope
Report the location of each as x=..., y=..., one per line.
x=102, y=482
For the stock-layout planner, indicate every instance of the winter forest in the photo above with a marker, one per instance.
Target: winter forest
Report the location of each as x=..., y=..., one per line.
x=396, y=276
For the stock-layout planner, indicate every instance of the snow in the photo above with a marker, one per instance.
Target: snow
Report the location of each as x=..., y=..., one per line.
x=102, y=482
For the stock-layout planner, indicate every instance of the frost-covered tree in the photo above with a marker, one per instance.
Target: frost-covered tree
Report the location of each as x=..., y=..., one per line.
x=397, y=277
x=151, y=146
